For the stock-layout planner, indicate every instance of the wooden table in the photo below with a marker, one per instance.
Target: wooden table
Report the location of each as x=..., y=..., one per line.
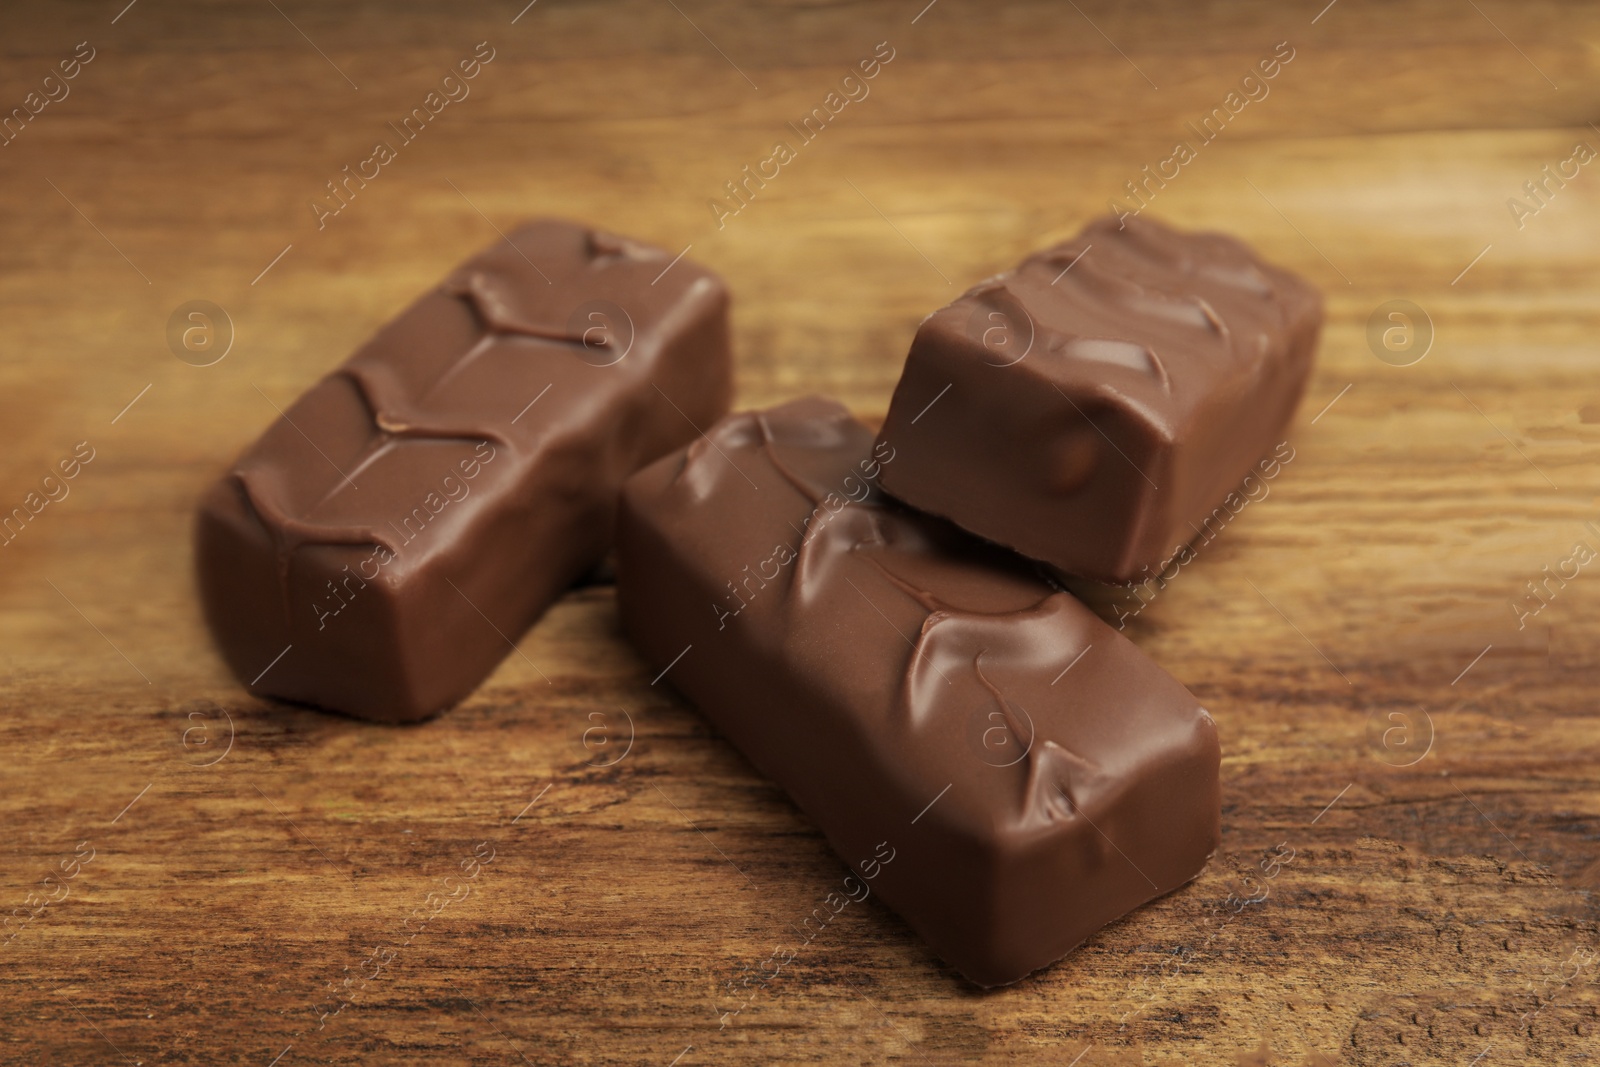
x=237, y=881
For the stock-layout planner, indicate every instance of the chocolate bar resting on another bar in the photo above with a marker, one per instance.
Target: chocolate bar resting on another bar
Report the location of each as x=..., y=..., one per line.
x=1095, y=406
x=382, y=544
x=1010, y=772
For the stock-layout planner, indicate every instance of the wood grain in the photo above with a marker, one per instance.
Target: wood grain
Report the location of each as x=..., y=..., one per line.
x=255, y=867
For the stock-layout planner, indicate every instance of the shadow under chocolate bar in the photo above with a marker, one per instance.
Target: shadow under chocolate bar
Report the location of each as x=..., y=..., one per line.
x=1095, y=406
x=1006, y=770
x=380, y=547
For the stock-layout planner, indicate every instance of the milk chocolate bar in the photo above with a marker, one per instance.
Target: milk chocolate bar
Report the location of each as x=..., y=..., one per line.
x=1094, y=407
x=380, y=547
x=1006, y=770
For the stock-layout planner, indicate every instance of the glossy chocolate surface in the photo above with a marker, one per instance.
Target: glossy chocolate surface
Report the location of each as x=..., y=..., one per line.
x=381, y=545
x=922, y=696
x=1095, y=406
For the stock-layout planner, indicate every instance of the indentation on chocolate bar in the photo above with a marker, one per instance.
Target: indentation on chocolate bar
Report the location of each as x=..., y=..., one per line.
x=1211, y=316
x=790, y=446
x=1214, y=257
x=936, y=608
x=1127, y=354
x=605, y=332
x=1186, y=309
x=1245, y=276
x=696, y=474
x=1000, y=323
x=293, y=532
x=391, y=414
x=289, y=533
x=831, y=432
x=952, y=641
x=1171, y=292
x=395, y=420
x=492, y=296
x=604, y=249
x=1053, y=772
x=801, y=485
x=1102, y=278
x=1005, y=730
x=1062, y=255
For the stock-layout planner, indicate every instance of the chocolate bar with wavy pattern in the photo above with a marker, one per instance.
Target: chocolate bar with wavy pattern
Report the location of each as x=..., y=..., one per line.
x=380, y=547
x=1004, y=769
x=1096, y=406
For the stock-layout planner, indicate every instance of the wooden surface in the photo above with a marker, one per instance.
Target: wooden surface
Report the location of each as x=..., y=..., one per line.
x=260, y=877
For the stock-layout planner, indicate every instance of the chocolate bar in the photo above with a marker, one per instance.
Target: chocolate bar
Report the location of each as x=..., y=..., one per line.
x=1096, y=406
x=380, y=547
x=1006, y=770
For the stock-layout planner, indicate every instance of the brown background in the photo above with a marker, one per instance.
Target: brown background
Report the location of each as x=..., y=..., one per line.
x=1435, y=913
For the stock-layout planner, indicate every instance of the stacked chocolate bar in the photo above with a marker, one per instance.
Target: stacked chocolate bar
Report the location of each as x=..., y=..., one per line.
x=867, y=619
x=917, y=687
